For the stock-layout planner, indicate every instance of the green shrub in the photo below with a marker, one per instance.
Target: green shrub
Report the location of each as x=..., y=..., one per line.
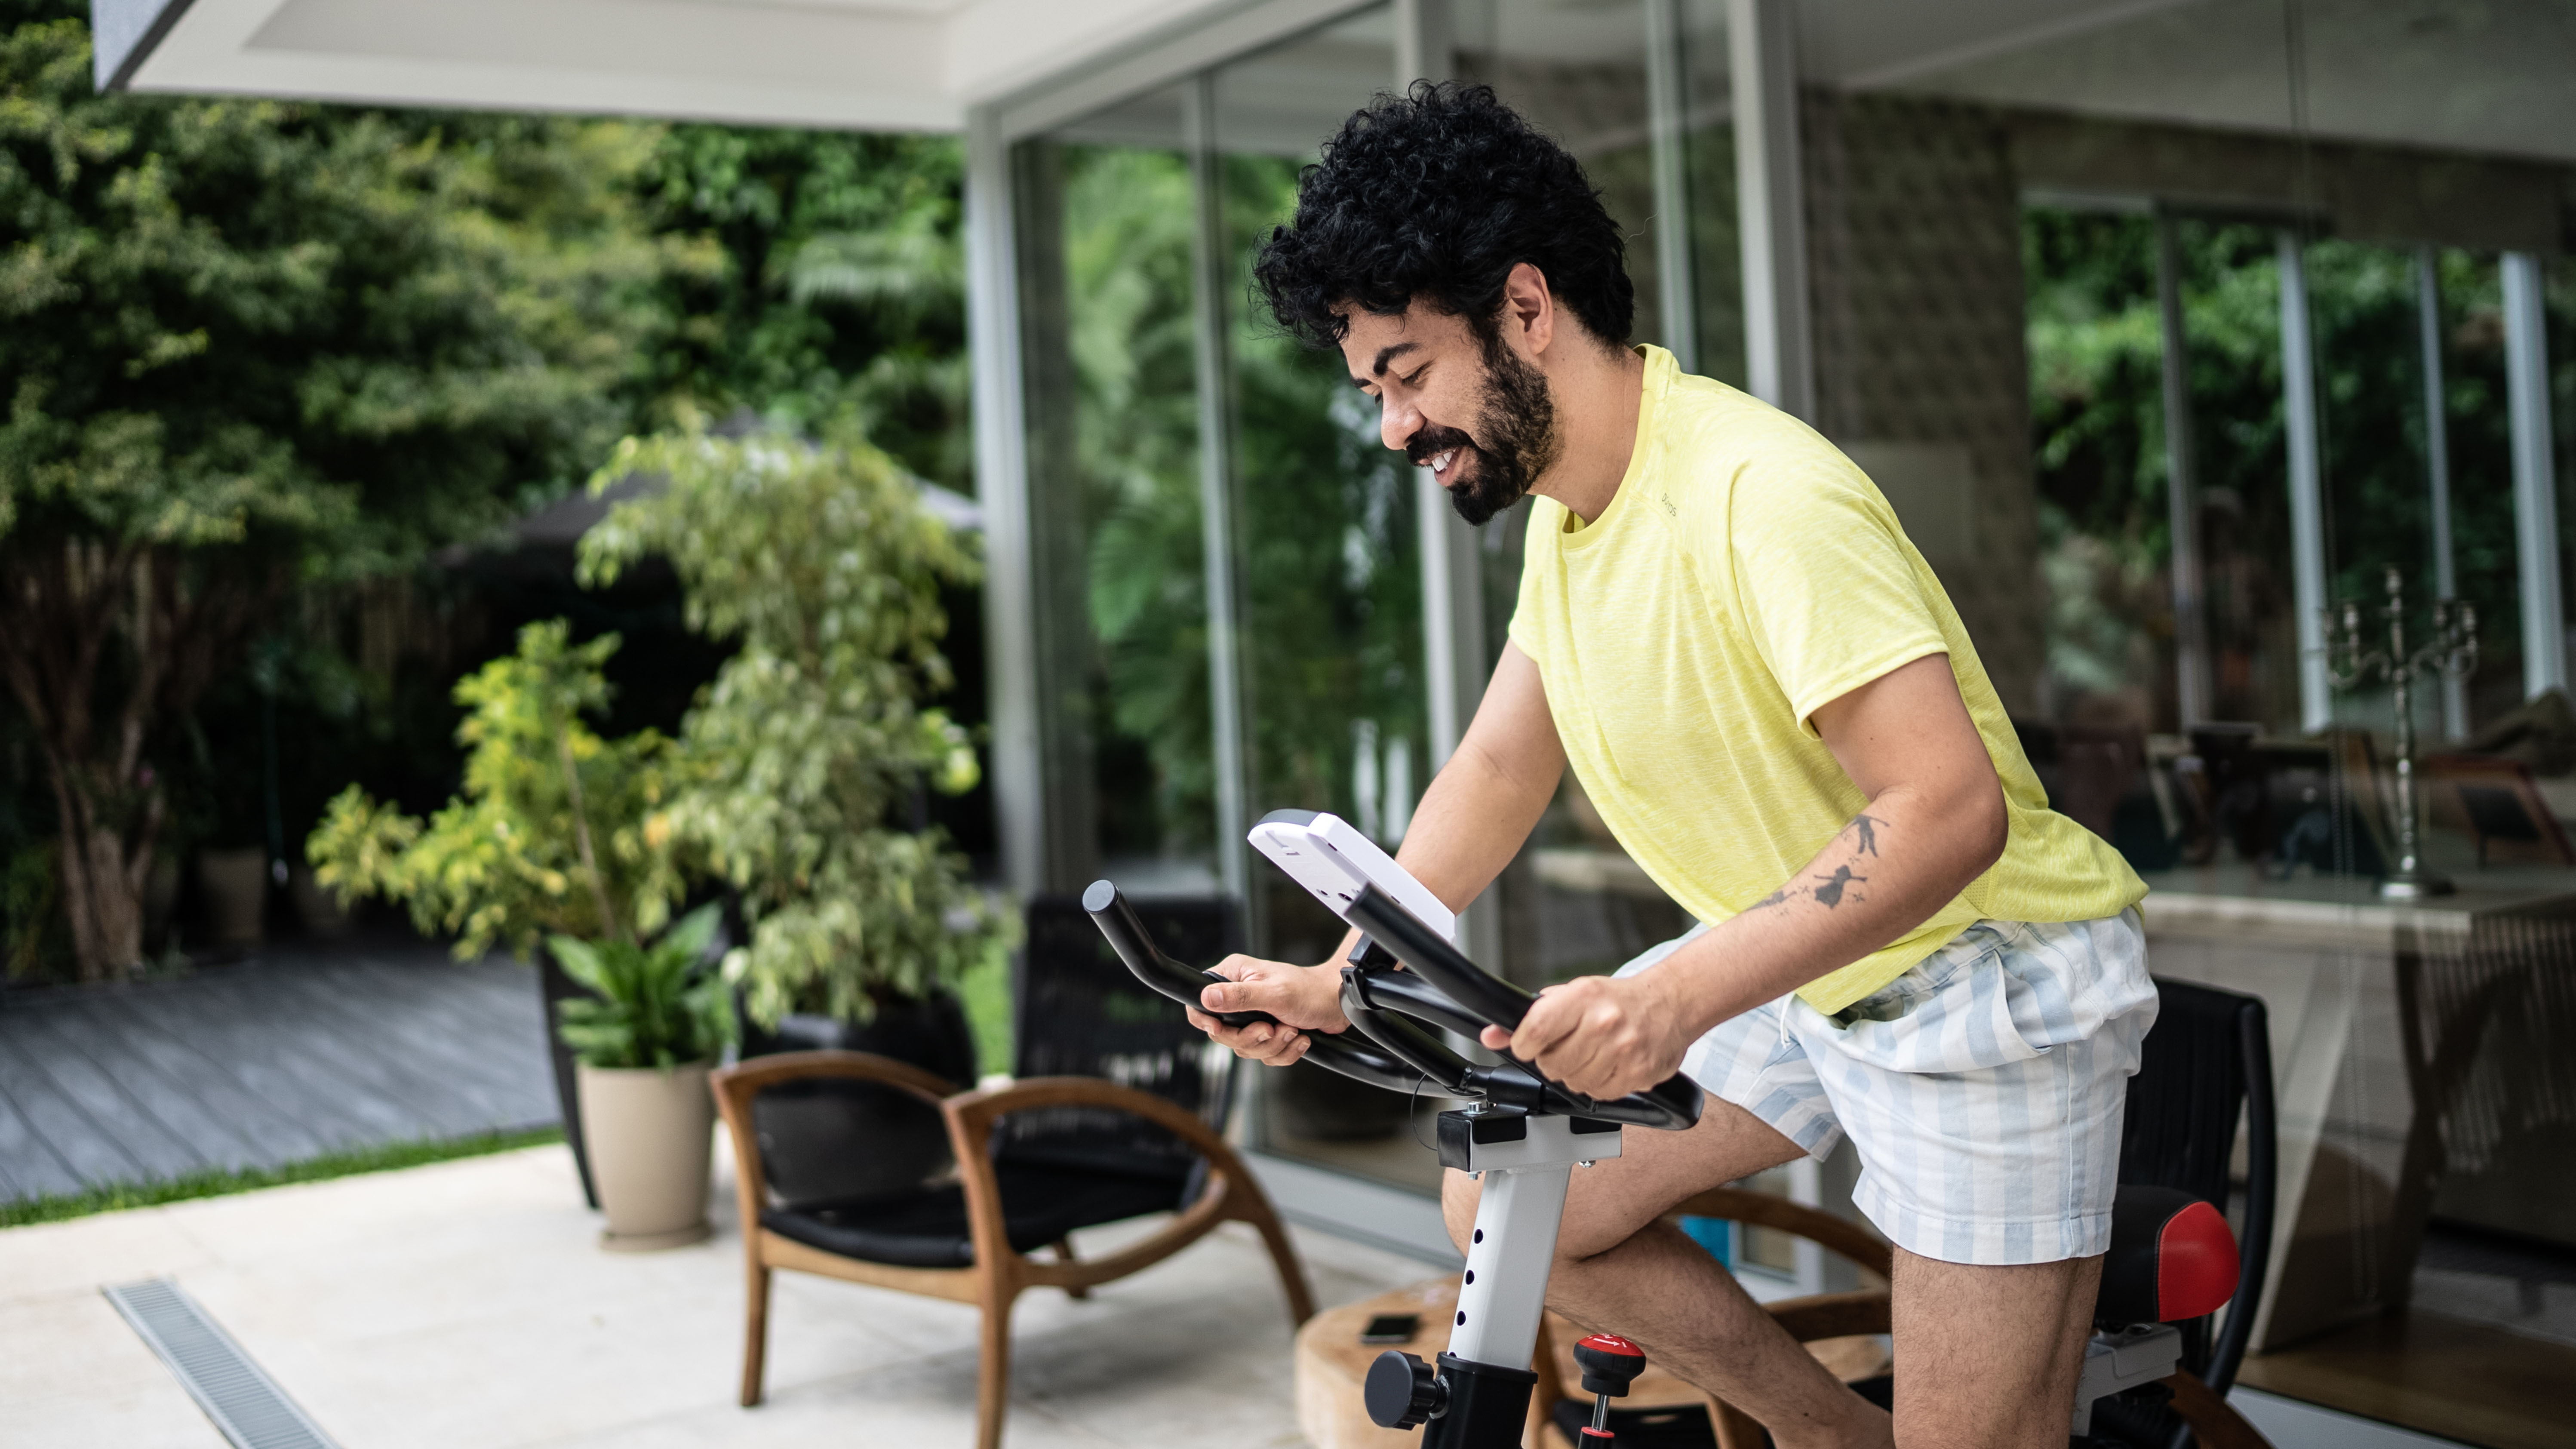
x=827, y=567
x=655, y=1008
x=558, y=832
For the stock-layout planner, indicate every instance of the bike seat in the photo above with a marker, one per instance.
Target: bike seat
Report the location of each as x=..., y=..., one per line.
x=2172, y=1259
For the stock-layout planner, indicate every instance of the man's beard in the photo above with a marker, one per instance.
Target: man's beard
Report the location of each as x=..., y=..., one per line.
x=1516, y=417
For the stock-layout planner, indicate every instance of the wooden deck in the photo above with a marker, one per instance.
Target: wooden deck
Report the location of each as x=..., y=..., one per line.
x=265, y=1063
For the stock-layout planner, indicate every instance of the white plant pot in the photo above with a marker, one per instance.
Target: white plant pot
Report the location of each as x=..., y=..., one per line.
x=649, y=1133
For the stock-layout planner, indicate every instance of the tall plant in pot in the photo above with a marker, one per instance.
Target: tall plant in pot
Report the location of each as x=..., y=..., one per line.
x=559, y=833
x=646, y=1036
x=807, y=752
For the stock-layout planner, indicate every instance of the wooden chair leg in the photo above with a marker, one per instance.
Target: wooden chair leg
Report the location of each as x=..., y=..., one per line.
x=2215, y=1424
x=1064, y=1254
x=1253, y=1208
x=993, y=1373
x=755, y=1329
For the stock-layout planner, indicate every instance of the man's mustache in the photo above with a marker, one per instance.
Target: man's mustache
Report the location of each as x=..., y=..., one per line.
x=1432, y=441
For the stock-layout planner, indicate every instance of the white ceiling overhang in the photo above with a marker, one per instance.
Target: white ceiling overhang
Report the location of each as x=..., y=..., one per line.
x=2482, y=76
x=864, y=64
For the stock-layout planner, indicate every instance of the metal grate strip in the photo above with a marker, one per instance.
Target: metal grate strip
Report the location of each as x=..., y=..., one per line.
x=245, y=1403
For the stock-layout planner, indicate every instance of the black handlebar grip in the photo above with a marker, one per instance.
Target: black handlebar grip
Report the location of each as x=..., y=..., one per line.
x=1488, y=998
x=1359, y=1060
x=1109, y=910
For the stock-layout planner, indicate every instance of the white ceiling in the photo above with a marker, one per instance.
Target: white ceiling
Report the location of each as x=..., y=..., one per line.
x=2495, y=76
x=878, y=64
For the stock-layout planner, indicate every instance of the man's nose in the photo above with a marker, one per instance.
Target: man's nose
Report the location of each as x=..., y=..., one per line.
x=1397, y=422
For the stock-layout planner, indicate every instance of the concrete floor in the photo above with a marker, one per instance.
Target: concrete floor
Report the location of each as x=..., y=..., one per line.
x=467, y=1303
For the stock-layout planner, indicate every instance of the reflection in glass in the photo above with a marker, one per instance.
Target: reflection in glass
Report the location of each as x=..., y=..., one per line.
x=1960, y=176
x=1114, y=466
x=1327, y=569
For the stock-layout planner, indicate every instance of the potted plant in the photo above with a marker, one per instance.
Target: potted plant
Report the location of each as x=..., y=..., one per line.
x=558, y=834
x=646, y=1037
x=825, y=566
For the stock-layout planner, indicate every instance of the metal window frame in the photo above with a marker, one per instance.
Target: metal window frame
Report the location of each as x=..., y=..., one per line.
x=2535, y=475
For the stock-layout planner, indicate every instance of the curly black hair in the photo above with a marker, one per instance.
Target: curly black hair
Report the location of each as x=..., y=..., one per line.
x=1437, y=194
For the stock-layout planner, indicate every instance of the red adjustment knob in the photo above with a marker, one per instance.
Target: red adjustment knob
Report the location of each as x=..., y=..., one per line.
x=1609, y=1363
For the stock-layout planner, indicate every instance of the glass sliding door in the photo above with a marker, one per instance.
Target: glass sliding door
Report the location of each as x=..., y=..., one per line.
x=1328, y=568
x=1105, y=213
x=2202, y=318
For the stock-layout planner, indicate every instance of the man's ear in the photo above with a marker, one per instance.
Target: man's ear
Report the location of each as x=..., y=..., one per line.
x=1529, y=309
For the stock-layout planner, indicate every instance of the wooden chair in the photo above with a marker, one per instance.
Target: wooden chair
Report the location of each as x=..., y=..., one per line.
x=1032, y=1162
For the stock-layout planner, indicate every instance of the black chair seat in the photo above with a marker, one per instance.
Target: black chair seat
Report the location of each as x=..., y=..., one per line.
x=926, y=1228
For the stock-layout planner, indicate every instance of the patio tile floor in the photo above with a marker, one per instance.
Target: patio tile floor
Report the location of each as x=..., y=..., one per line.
x=467, y=1303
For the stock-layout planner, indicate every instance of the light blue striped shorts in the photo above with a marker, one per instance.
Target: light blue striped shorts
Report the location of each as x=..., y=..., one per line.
x=1983, y=1088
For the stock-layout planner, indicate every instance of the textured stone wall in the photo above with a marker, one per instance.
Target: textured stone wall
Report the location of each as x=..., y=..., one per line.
x=1914, y=243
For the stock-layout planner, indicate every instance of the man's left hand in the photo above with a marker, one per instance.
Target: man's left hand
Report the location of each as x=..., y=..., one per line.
x=1603, y=1036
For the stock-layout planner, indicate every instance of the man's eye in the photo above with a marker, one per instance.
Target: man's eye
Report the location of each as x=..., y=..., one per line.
x=1414, y=378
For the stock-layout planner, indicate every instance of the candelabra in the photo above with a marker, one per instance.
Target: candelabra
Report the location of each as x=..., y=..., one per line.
x=2452, y=651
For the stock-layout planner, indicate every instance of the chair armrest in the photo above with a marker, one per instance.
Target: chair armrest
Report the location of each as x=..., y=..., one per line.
x=970, y=1129
x=1765, y=1210
x=975, y=1111
x=734, y=1088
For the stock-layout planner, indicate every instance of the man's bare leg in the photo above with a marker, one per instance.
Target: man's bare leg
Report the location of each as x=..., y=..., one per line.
x=1621, y=1270
x=1986, y=1358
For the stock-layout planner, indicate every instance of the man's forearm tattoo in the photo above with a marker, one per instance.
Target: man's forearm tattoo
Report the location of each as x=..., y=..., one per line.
x=1835, y=887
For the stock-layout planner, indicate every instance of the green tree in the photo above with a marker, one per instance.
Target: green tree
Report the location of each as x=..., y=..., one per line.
x=249, y=347
x=839, y=299
x=826, y=566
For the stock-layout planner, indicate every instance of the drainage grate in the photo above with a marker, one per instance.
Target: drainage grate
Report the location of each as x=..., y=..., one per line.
x=244, y=1402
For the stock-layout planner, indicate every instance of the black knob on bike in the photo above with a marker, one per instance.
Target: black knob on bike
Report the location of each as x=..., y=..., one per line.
x=1609, y=1363
x=1402, y=1391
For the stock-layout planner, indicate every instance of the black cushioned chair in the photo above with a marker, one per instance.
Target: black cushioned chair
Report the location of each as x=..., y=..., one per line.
x=1119, y=1112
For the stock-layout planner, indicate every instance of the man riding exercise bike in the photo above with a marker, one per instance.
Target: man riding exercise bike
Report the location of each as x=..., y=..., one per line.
x=1763, y=688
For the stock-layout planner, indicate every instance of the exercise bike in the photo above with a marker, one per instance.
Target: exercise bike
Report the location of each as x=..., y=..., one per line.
x=2172, y=1258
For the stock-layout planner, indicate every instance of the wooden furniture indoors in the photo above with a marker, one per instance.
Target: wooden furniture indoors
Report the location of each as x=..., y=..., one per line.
x=1025, y=1165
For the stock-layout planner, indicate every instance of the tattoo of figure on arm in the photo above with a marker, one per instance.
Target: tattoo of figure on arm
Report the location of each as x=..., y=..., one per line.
x=1830, y=894
x=1865, y=829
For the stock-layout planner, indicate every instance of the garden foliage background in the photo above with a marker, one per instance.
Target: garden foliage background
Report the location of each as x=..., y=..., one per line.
x=279, y=377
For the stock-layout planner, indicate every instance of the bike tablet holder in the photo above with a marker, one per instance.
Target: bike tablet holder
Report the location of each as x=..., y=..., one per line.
x=1523, y=1135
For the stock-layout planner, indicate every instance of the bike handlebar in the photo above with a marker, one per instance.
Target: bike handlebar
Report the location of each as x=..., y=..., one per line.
x=1446, y=989
x=1109, y=910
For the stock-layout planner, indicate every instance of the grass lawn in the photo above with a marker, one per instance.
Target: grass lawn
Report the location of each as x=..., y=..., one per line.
x=215, y=1182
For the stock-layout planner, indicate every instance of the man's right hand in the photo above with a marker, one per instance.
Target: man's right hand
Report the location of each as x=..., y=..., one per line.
x=1305, y=999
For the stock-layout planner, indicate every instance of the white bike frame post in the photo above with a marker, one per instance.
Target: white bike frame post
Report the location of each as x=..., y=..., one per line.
x=1524, y=1162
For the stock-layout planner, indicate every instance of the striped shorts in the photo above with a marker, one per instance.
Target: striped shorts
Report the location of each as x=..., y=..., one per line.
x=1982, y=1089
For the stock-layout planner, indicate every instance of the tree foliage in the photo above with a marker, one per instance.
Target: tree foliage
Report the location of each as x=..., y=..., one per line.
x=250, y=347
x=826, y=567
x=558, y=832
x=840, y=296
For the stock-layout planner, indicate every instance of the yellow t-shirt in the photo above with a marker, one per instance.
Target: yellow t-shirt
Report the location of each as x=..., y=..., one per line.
x=1745, y=574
